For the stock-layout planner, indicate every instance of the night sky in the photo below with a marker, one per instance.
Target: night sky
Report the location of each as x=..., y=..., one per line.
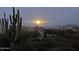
x=53, y=15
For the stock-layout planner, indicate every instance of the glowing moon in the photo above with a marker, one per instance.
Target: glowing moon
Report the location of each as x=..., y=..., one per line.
x=39, y=21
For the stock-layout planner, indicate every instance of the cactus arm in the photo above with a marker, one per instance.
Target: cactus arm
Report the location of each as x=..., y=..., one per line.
x=20, y=23
x=13, y=13
x=10, y=19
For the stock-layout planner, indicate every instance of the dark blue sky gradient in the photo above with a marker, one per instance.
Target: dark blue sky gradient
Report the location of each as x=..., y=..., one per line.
x=53, y=15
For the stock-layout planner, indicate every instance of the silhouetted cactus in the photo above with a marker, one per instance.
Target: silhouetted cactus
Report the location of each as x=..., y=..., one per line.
x=4, y=24
x=14, y=28
x=16, y=22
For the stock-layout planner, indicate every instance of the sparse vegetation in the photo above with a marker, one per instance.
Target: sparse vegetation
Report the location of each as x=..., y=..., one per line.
x=22, y=40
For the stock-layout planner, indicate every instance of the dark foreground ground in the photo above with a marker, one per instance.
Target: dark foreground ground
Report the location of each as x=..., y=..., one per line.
x=67, y=40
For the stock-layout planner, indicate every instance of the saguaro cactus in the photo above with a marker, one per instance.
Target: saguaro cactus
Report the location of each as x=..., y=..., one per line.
x=16, y=22
x=4, y=24
x=14, y=28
